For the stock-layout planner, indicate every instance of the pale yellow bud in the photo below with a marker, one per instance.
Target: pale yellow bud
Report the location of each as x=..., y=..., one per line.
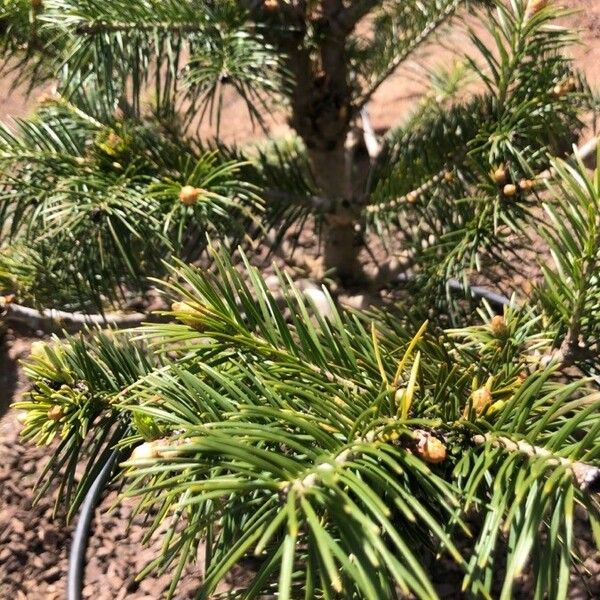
x=526, y=184
x=189, y=195
x=38, y=350
x=500, y=175
x=55, y=413
x=145, y=451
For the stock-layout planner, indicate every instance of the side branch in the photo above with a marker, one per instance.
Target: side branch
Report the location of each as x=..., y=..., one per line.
x=586, y=476
x=412, y=196
x=51, y=319
x=317, y=203
x=96, y=27
x=583, y=153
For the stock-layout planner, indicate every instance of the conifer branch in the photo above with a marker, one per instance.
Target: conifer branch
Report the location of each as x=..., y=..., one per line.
x=50, y=319
x=586, y=476
x=412, y=196
x=99, y=27
x=583, y=153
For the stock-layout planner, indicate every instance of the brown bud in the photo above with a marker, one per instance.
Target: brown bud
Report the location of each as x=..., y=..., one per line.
x=412, y=197
x=37, y=4
x=510, y=189
x=271, y=5
x=526, y=184
x=481, y=399
x=189, y=194
x=4, y=300
x=498, y=326
x=571, y=84
x=500, y=175
x=113, y=140
x=47, y=97
x=564, y=87
x=448, y=176
x=429, y=448
x=56, y=413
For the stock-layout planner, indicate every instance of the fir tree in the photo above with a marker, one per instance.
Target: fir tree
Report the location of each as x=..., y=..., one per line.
x=344, y=450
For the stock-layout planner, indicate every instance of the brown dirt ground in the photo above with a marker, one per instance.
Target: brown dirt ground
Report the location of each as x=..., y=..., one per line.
x=33, y=545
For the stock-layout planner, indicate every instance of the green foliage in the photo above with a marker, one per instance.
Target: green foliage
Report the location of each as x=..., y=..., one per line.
x=333, y=453
x=244, y=61
x=128, y=49
x=107, y=195
x=76, y=384
x=27, y=51
x=435, y=178
x=570, y=294
x=431, y=181
x=399, y=29
x=306, y=442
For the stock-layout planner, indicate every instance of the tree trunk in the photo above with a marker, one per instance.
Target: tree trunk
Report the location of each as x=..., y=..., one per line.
x=322, y=114
x=342, y=244
x=341, y=240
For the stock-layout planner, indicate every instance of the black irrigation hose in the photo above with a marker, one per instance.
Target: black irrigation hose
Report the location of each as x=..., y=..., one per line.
x=82, y=531
x=477, y=292
x=494, y=299
x=80, y=537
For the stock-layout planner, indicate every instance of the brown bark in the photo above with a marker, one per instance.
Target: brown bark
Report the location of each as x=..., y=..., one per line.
x=57, y=320
x=322, y=113
x=341, y=240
